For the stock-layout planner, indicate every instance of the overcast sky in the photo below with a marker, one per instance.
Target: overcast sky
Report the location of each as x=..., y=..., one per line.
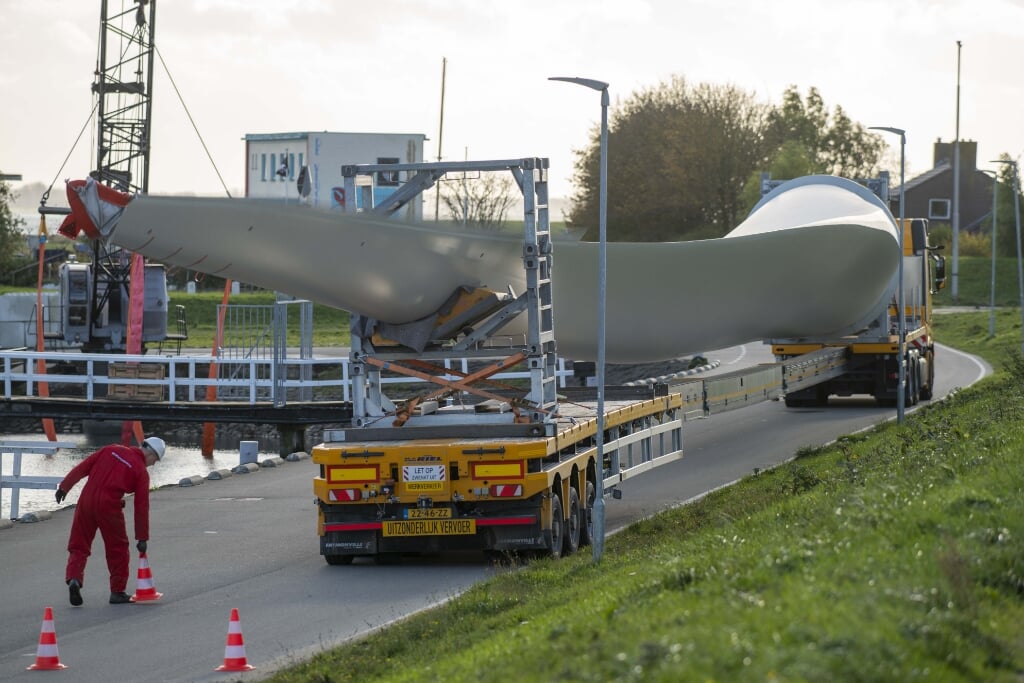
x=268, y=66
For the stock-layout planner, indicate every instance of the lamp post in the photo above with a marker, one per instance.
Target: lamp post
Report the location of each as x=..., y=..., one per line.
x=597, y=514
x=955, y=292
x=1015, y=187
x=992, y=287
x=901, y=323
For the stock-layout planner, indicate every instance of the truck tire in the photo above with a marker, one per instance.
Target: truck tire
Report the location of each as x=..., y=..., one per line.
x=573, y=523
x=927, y=387
x=336, y=560
x=915, y=384
x=587, y=527
x=557, y=532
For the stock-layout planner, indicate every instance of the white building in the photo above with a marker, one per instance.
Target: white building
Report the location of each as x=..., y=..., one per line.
x=274, y=162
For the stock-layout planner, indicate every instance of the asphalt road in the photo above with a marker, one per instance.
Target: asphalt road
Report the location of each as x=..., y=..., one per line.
x=249, y=542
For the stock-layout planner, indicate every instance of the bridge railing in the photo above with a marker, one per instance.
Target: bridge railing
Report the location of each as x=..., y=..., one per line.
x=177, y=379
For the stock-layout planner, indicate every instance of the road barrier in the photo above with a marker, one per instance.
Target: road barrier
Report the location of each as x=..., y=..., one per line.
x=17, y=480
x=177, y=379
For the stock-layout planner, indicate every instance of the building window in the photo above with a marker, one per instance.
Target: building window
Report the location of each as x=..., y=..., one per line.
x=291, y=167
x=385, y=178
x=273, y=165
x=938, y=209
x=263, y=167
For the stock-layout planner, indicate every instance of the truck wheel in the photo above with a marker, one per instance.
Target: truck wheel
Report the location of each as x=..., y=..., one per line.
x=573, y=524
x=912, y=391
x=557, y=527
x=587, y=527
x=335, y=560
x=927, y=387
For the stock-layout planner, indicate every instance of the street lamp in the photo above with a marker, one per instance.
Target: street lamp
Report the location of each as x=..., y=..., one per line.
x=1015, y=186
x=597, y=514
x=992, y=289
x=901, y=323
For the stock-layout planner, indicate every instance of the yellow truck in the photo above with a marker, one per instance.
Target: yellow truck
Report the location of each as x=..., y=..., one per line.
x=871, y=359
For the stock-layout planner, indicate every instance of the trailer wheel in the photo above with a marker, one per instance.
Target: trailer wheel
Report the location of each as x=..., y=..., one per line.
x=557, y=527
x=928, y=387
x=587, y=527
x=913, y=383
x=336, y=560
x=573, y=523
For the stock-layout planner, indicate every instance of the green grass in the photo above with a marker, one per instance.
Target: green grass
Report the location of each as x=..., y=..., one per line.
x=970, y=332
x=974, y=282
x=330, y=326
x=894, y=555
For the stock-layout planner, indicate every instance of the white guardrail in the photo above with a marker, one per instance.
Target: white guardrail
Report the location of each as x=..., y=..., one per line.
x=256, y=378
x=17, y=480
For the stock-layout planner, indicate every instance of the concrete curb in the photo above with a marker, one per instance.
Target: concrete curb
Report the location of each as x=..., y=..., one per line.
x=666, y=378
x=272, y=462
x=194, y=480
x=37, y=516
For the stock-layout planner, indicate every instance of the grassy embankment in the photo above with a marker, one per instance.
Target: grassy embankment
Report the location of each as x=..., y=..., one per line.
x=893, y=555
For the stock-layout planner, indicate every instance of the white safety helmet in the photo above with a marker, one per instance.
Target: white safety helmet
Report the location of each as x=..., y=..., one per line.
x=157, y=444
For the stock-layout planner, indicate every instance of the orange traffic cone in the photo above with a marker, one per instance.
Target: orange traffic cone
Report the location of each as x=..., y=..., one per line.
x=144, y=590
x=234, y=650
x=47, y=658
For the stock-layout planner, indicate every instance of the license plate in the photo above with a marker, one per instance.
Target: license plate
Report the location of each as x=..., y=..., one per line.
x=430, y=527
x=428, y=513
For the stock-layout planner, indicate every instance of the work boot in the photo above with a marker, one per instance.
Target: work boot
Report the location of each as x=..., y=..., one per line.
x=75, y=592
x=119, y=598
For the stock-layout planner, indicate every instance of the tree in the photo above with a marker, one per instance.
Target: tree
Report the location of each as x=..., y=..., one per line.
x=12, y=240
x=832, y=144
x=482, y=202
x=678, y=156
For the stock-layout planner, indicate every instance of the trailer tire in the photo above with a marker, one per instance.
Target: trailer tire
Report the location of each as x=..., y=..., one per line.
x=337, y=560
x=913, y=383
x=557, y=531
x=587, y=527
x=574, y=522
x=927, y=387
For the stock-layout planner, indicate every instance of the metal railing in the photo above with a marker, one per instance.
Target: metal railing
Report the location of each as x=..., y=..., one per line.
x=17, y=481
x=186, y=378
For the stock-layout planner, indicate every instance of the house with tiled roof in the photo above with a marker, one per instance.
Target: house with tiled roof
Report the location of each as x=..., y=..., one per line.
x=930, y=194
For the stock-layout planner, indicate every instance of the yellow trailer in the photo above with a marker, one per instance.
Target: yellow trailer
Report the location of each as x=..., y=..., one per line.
x=513, y=491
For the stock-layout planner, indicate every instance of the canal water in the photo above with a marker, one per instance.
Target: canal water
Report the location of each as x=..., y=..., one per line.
x=182, y=460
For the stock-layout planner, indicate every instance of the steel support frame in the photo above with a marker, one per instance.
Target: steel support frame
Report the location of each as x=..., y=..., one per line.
x=531, y=176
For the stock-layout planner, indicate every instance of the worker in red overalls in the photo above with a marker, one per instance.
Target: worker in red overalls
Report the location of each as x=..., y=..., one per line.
x=113, y=472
